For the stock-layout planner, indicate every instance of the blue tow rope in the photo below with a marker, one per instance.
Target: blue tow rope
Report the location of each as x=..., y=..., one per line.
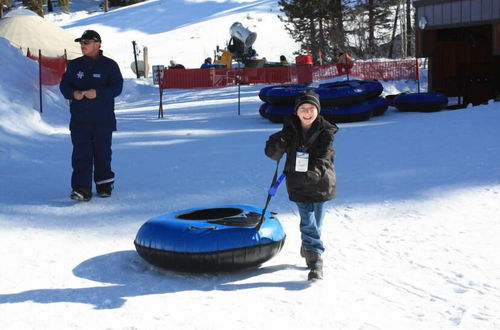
x=270, y=193
x=274, y=188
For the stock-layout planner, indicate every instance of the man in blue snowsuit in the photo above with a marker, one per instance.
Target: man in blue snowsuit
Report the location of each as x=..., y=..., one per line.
x=91, y=83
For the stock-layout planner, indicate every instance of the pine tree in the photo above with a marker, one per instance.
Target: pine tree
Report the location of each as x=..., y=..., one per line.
x=63, y=5
x=337, y=35
x=35, y=6
x=316, y=25
x=409, y=30
x=326, y=26
x=4, y=3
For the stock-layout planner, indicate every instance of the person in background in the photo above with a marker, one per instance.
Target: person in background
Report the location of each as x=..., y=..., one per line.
x=307, y=139
x=175, y=65
x=91, y=83
x=345, y=63
x=207, y=63
x=283, y=60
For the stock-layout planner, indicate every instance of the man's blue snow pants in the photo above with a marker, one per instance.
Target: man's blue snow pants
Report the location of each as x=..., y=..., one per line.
x=91, y=153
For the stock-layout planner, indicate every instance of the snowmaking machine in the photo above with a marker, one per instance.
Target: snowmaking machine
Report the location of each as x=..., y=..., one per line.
x=239, y=48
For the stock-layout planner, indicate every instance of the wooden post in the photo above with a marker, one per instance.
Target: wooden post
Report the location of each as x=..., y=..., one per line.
x=146, y=61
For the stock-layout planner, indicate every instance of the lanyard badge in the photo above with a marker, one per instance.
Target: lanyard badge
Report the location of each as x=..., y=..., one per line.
x=302, y=161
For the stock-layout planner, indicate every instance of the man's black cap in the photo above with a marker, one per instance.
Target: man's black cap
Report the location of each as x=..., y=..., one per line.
x=89, y=35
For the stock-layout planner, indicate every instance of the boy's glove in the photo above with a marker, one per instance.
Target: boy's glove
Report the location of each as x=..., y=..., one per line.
x=313, y=176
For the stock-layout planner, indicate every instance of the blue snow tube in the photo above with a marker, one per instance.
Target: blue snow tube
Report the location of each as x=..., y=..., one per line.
x=369, y=88
x=379, y=105
x=262, y=109
x=263, y=91
x=348, y=113
x=210, y=239
x=421, y=102
x=277, y=112
x=342, y=114
x=335, y=96
x=285, y=94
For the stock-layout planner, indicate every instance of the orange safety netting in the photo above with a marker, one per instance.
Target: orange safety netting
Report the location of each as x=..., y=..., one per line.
x=209, y=78
x=387, y=70
x=214, y=77
x=51, y=68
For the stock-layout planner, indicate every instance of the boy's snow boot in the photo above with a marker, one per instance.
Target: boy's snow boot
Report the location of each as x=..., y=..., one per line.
x=104, y=190
x=81, y=194
x=310, y=256
x=307, y=255
x=316, y=265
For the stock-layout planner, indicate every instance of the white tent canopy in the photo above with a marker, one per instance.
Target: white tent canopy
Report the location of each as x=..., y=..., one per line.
x=20, y=12
x=33, y=32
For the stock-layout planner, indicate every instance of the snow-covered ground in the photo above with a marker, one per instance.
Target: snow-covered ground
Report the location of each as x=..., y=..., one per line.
x=412, y=239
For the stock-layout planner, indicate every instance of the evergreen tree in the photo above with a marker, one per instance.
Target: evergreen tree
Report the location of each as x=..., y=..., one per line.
x=326, y=26
x=337, y=35
x=63, y=5
x=35, y=6
x=409, y=30
x=316, y=25
x=4, y=3
x=374, y=25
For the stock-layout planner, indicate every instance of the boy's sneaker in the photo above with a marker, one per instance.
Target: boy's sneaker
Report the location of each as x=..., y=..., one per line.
x=81, y=194
x=104, y=190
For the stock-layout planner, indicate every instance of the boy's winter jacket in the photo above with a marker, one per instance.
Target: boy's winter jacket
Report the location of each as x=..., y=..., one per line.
x=318, y=184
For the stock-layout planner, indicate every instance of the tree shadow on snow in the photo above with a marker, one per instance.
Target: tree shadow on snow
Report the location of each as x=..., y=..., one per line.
x=124, y=274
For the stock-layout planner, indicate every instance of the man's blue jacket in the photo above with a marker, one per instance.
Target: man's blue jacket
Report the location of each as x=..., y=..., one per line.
x=101, y=74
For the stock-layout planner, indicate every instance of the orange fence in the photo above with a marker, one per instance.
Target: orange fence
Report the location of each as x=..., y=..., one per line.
x=213, y=77
x=210, y=78
x=51, y=68
x=300, y=73
x=387, y=70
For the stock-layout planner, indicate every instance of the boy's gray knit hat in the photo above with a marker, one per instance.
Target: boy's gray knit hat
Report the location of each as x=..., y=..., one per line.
x=308, y=96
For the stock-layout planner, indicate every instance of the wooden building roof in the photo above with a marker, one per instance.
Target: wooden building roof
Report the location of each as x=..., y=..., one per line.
x=431, y=14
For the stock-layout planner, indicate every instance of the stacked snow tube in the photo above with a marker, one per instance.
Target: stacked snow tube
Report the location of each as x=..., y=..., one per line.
x=279, y=100
x=379, y=105
x=210, y=239
x=364, y=103
x=420, y=102
x=370, y=88
x=343, y=101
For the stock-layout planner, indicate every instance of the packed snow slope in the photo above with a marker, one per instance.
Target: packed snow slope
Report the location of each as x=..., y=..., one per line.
x=182, y=30
x=412, y=239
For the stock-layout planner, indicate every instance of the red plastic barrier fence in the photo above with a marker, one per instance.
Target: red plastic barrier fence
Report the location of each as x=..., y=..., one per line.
x=387, y=70
x=210, y=78
x=51, y=68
